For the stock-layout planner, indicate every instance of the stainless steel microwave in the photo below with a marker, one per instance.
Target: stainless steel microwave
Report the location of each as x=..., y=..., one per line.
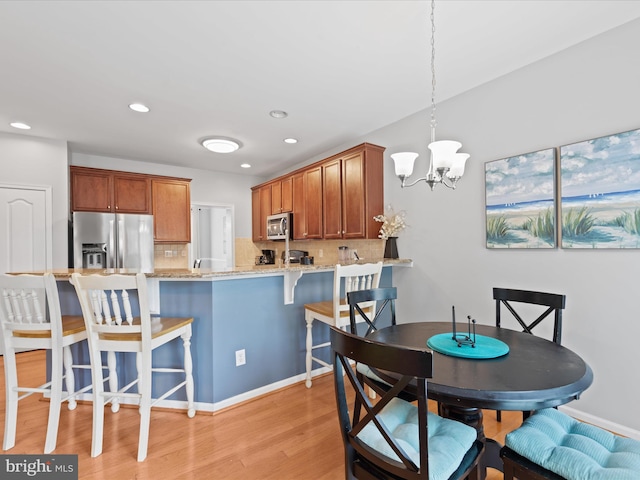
x=279, y=226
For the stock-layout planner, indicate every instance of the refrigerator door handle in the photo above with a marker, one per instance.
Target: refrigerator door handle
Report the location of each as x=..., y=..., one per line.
x=111, y=246
x=121, y=243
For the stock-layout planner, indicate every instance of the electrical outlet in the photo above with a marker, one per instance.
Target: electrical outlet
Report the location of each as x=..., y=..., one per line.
x=167, y=253
x=241, y=358
x=320, y=253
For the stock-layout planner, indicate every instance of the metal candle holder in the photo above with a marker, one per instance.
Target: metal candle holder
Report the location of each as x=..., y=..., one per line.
x=462, y=339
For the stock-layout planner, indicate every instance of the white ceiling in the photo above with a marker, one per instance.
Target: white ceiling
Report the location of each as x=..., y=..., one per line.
x=340, y=69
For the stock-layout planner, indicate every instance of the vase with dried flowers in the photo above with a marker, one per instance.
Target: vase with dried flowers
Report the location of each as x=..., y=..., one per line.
x=392, y=224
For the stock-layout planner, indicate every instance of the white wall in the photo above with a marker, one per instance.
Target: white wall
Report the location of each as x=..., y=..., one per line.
x=206, y=186
x=27, y=160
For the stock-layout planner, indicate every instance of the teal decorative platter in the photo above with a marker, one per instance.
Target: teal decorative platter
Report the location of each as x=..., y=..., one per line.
x=486, y=347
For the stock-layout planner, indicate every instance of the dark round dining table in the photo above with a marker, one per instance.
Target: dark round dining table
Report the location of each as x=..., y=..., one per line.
x=536, y=373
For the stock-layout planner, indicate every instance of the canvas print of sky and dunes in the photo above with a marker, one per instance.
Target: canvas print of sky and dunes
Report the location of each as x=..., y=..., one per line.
x=520, y=201
x=600, y=192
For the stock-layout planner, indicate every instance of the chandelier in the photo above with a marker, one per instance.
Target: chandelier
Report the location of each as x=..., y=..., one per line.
x=446, y=165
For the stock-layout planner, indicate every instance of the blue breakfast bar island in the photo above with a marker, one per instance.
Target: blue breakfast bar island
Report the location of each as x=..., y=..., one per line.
x=256, y=309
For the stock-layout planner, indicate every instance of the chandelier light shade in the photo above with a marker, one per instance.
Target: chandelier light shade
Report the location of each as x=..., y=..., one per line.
x=446, y=165
x=404, y=163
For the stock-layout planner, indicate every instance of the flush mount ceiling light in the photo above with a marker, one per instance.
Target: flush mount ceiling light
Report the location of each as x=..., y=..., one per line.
x=220, y=145
x=278, y=114
x=446, y=165
x=20, y=125
x=139, y=107
x=290, y=140
x=245, y=165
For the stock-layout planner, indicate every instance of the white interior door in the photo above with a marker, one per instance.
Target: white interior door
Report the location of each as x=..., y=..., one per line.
x=25, y=236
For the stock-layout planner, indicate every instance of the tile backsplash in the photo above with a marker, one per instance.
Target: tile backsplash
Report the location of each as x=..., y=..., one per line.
x=171, y=255
x=323, y=251
x=168, y=255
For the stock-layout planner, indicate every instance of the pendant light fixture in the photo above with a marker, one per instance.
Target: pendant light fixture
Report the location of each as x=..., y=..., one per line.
x=446, y=165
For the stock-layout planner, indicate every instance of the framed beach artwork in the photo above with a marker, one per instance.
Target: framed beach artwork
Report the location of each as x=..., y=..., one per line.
x=520, y=201
x=600, y=192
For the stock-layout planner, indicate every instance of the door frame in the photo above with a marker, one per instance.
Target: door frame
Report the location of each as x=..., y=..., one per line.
x=233, y=227
x=48, y=215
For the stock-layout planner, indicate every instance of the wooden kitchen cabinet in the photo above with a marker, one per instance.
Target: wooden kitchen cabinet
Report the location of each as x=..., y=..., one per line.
x=97, y=190
x=171, y=210
x=307, y=204
x=261, y=205
x=332, y=200
x=353, y=194
x=335, y=198
x=282, y=195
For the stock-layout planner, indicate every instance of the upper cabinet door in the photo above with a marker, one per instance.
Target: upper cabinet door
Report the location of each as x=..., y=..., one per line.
x=353, y=196
x=171, y=210
x=313, y=203
x=286, y=186
x=332, y=199
x=132, y=194
x=91, y=190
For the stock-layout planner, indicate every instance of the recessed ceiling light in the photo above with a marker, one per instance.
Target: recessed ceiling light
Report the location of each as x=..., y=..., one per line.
x=139, y=107
x=290, y=140
x=245, y=165
x=20, y=125
x=220, y=145
x=278, y=114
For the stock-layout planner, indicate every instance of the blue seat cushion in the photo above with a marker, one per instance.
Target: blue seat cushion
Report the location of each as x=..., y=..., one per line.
x=449, y=440
x=575, y=450
x=367, y=372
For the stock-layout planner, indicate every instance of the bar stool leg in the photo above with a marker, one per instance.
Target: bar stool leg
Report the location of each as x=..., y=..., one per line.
x=11, y=408
x=309, y=351
x=113, y=380
x=54, y=401
x=188, y=372
x=69, y=378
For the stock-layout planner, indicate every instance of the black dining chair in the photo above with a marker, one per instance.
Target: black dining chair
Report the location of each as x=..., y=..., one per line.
x=383, y=315
x=394, y=438
x=512, y=299
x=386, y=296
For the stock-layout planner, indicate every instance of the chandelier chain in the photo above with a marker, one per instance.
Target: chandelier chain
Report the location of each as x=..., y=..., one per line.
x=433, y=71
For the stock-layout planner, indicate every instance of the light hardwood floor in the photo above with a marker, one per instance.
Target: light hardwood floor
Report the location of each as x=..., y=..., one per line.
x=289, y=434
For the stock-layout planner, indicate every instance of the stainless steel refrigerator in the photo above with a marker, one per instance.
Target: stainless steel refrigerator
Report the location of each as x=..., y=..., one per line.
x=113, y=240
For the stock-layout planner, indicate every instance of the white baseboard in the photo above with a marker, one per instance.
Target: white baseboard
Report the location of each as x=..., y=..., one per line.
x=600, y=422
x=213, y=407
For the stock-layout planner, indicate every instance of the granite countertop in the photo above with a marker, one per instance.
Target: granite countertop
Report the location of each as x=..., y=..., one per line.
x=198, y=273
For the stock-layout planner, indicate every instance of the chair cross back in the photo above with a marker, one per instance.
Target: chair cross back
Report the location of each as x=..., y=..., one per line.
x=410, y=364
x=381, y=296
x=554, y=302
